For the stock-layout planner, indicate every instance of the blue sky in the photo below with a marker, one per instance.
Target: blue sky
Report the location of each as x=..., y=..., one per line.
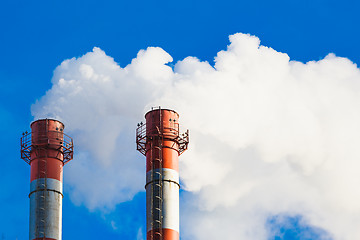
x=36, y=36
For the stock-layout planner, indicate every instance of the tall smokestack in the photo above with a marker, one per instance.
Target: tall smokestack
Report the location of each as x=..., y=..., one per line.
x=46, y=148
x=160, y=142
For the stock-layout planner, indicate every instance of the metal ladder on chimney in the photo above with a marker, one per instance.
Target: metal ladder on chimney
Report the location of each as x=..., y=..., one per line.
x=41, y=191
x=42, y=199
x=157, y=186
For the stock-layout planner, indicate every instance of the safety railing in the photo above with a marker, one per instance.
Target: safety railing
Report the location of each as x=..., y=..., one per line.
x=63, y=143
x=141, y=138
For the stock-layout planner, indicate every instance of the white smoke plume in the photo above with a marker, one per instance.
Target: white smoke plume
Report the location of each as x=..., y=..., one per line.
x=269, y=136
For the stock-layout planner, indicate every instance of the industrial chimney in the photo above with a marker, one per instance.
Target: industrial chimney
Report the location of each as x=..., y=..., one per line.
x=160, y=142
x=46, y=149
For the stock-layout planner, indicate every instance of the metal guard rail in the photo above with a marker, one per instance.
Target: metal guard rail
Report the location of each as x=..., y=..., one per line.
x=141, y=139
x=66, y=146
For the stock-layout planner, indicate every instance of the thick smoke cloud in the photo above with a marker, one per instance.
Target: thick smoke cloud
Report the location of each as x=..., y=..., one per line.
x=269, y=136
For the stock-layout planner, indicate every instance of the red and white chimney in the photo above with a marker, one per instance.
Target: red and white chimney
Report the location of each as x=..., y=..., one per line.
x=159, y=140
x=46, y=149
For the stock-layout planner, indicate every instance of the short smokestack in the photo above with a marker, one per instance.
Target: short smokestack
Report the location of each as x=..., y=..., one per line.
x=46, y=149
x=159, y=140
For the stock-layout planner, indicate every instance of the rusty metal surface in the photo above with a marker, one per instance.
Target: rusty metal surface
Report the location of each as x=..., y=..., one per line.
x=57, y=140
x=46, y=184
x=167, y=127
x=160, y=141
x=45, y=209
x=46, y=148
x=169, y=200
x=46, y=167
x=48, y=134
x=165, y=174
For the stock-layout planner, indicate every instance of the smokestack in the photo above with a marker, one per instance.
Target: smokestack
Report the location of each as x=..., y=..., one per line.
x=46, y=149
x=160, y=142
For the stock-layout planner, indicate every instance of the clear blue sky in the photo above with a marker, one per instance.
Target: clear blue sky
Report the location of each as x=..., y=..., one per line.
x=36, y=36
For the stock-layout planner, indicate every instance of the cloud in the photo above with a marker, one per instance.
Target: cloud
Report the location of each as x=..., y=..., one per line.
x=139, y=235
x=269, y=136
x=100, y=104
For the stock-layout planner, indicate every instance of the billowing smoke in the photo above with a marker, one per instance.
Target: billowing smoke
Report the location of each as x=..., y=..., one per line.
x=269, y=136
